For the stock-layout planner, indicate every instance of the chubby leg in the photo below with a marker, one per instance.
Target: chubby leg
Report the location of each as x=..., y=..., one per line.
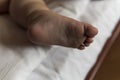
x=4, y=5
x=46, y=27
x=22, y=10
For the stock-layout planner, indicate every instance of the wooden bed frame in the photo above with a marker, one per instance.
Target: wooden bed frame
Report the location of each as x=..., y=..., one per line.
x=105, y=51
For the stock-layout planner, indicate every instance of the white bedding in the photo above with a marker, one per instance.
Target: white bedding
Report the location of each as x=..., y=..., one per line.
x=21, y=60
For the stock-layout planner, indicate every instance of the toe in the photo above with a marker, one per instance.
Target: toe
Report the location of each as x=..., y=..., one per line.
x=90, y=31
x=82, y=47
x=88, y=41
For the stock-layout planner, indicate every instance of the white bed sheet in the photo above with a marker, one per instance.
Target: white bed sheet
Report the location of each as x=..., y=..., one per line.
x=21, y=60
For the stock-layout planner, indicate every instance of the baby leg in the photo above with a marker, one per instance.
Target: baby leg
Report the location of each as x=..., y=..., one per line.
x=22, y=10
x=46, y=27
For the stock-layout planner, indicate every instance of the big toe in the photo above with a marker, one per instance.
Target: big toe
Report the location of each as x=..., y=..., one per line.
x=90, y=31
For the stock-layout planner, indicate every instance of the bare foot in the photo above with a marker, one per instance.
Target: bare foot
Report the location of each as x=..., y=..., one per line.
x=49, y=28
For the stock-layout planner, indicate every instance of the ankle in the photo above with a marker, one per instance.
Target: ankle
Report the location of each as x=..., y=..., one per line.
x=35, y=16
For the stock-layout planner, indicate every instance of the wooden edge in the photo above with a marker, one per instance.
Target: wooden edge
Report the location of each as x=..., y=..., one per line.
x=91, y=75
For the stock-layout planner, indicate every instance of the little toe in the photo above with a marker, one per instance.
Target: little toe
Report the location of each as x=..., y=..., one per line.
x=82, y=47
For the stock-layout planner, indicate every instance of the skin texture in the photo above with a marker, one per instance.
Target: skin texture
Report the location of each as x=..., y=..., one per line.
x=48, y=28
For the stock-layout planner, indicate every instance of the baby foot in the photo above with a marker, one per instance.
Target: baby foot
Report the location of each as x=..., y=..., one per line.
x=48, y=28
